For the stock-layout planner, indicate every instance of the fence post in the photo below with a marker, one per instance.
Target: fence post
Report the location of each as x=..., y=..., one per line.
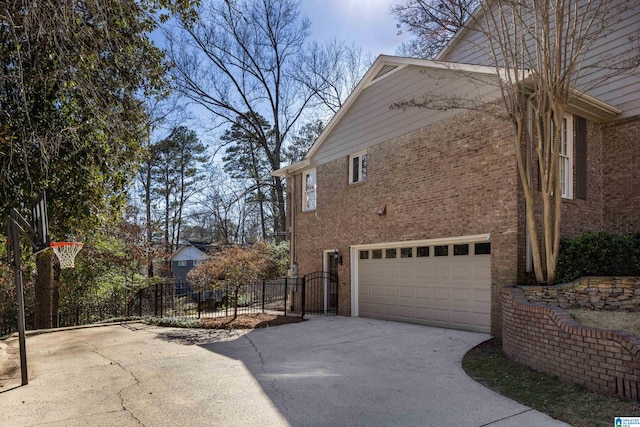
x=264, y=286
x=304, y=297
x=161, y=299
x=199, y=302
x=337, y=293
x=286, y=292
x=226, y=307
x=139, y=302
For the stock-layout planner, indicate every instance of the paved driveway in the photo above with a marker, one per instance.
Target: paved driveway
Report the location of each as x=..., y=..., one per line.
x=327, y=371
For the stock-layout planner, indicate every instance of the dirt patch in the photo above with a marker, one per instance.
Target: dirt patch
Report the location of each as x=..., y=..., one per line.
x=615, y=320
x=250, y=321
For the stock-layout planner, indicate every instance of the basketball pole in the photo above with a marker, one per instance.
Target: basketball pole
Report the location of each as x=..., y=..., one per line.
x=17, y=225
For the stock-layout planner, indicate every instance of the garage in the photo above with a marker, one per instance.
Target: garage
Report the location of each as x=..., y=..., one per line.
x=444, y=282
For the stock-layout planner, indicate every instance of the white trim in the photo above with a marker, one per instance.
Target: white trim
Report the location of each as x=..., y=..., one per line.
x=305, y=207
x=476, y=238
x=293, y=167
x=355, y=259
x=567, y=133
x=359, y=155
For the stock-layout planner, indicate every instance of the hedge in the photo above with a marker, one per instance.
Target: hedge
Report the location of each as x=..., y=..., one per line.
x=598, y=254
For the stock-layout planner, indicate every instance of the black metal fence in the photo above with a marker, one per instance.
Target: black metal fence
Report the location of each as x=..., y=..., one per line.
x=315, y=293
x=179, y=299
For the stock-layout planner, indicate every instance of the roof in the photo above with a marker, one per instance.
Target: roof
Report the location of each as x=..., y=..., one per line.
x=188, y=252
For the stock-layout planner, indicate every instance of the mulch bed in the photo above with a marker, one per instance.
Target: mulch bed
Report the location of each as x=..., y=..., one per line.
x=250, y=321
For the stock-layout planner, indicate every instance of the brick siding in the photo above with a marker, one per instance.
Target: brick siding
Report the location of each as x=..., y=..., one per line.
x=459, y=177
x=622, y=176
x=455, y=178
x=549, y=340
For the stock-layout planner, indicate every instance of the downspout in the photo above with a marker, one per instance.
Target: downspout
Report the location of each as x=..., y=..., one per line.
x=292, y=250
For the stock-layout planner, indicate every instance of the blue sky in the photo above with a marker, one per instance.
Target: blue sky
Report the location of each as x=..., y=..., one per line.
x=367, y=23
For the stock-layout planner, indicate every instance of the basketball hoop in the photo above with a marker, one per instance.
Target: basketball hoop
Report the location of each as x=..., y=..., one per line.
x=66, y=252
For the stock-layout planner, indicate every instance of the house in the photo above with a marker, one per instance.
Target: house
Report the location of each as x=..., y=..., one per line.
x=183, y=260
x=424, y=206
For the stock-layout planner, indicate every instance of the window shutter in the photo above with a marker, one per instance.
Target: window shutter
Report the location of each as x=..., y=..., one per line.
x=581, y=158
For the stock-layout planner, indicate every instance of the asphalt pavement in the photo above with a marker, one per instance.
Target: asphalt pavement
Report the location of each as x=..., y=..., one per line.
x=328, y=371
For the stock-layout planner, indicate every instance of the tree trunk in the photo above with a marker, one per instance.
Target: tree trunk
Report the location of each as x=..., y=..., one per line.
x=280, y=223
x=235, y=303
x=55, y=296
x=42, y=293
x=147, y=206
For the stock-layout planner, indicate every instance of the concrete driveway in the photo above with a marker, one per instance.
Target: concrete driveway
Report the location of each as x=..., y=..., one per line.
x=324, y=372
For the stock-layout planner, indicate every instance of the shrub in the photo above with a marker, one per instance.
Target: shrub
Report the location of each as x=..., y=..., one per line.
x=599, y=254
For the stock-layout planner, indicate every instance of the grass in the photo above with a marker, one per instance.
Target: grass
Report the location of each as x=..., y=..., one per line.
x=617, y=320
x=568, y=402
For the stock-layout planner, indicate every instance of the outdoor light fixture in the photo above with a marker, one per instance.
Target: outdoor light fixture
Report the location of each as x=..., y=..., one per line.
x=337, y=257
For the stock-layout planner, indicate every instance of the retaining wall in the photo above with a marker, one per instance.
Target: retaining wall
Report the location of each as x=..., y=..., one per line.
x=596, y=293
x=549, y=340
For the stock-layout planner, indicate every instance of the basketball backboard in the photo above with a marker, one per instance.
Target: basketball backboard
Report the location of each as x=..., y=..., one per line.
x=40, y=224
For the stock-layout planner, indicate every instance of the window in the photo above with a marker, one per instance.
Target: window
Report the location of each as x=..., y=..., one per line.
x=460, y=250
x=182, y=263
x=358, y=167
x=441, y=250
x=364, y=254
x=565, y=160
x=391, y=253
x=406, y=252
x=376, y=254
x=482, y=248
x=309, y=190
x=423, y=251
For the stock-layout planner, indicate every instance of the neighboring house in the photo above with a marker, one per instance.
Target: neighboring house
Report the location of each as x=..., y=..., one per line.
x=184, y=259
x=425, y=206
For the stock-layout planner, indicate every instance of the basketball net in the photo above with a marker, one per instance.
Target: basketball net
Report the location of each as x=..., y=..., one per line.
x=66, y=252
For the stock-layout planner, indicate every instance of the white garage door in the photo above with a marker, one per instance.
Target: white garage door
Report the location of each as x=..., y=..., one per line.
x=446, y=285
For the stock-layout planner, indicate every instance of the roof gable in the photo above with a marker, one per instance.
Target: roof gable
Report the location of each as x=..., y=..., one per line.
x=188, y=253
x=366, y=118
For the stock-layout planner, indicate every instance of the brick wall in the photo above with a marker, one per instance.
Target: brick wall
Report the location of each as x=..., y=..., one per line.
x=454, y=178
x=622, y=176
x=549, y=340
x=596, y=293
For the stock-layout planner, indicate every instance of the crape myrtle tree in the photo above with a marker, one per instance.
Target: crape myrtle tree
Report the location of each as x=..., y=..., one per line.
x=541, y=46
x=539, y=50
x=71, y=78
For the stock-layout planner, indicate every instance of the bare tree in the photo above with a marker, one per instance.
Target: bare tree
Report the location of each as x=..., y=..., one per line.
x=237, y=59
x=331, y=71
x=433, y=22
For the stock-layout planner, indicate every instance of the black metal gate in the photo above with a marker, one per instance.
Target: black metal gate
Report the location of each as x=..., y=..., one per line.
x=320, y=293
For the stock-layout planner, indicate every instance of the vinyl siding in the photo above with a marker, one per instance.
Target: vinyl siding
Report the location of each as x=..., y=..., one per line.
x=621, y=39
x=370, y=120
